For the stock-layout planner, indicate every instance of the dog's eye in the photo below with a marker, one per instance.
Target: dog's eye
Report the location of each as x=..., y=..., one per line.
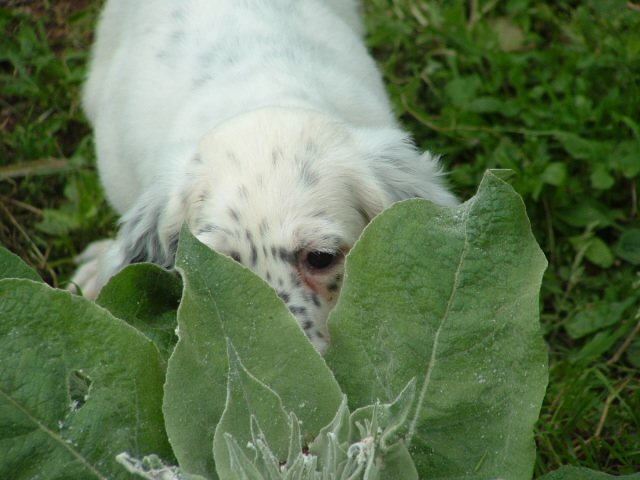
x=319, y=260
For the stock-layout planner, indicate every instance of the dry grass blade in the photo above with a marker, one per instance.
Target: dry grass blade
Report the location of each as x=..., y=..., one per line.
x=43, y=166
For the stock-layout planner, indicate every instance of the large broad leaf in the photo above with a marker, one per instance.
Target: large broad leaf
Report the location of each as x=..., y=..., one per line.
x=577, y=473
x=223, y=300
x=77, y=387
x=11, y=266
x=449, y=296
x=147, y=297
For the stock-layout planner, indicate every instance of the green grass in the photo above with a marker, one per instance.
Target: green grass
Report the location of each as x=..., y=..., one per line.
x=51, y=203
x=550, y=90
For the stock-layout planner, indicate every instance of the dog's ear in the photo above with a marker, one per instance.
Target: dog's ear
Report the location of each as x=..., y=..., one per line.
x=149, y=231
x=141, y=237
x=399, y=170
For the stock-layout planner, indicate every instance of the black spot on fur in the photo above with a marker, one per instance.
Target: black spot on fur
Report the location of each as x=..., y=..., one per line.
x=233, y=158
x=275, y=156
x=214, y=57
x=287, y=256
x=335, y=285
x=309, y=177
x=315, y=299
x=284, y=296
x=184, y=199
x=311, y=148
x=295, y=281
x=307, y=325
x=243, y=192
x=236, y=256
x=172, y=242
x=177, y=36
x=234, y=214
x=264, y=229
x=254, y=255
x=253, y=247
x=208, y=228
x=202, y=80
x=363, y=214
x=298, y=309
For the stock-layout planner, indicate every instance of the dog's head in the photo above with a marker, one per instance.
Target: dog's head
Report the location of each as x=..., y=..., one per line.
x=287, y=192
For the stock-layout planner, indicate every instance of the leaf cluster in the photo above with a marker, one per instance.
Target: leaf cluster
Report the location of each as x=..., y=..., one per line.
x=427, y=366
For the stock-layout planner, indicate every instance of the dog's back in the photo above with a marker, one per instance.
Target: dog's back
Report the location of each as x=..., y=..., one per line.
x=164, y=73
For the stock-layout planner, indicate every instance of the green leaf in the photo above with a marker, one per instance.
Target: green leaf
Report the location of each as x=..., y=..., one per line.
x=147, y=297
x=388, y=423
x=12, y=266
x=628, y=247
x=633, y=353
x=58, y=222
x=601, y=179
x=626, y=158
x=577, y=473
x=462, y=90
x=249, y=401
x=223, y=300
x=240, y=464
x=580, y=148
x=327, y=445
x=594, y=317
x=397, y=463
x=77, y=387
x=392, y=417
x=589, y=212
x=366, y=443
x=595, y=249
x=554, y=174
x=597, y=345
x=484, y=105
x=449, y=296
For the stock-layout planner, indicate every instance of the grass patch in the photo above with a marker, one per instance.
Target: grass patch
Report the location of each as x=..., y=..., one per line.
x=51, y=202
x=550, y=90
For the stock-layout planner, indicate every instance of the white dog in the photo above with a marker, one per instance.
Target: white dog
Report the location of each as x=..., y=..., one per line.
x=262, y=123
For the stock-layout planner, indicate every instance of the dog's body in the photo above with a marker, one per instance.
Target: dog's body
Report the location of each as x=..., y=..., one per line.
x=263, y=123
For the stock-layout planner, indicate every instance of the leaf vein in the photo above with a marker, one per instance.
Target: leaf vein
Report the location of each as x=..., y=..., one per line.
x=436, y=337
x=57, y=438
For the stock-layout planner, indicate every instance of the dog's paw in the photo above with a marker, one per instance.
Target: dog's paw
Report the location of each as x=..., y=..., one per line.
x=87, y=277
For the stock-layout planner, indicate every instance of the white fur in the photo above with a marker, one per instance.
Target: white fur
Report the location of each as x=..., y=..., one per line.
x=263, y=123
